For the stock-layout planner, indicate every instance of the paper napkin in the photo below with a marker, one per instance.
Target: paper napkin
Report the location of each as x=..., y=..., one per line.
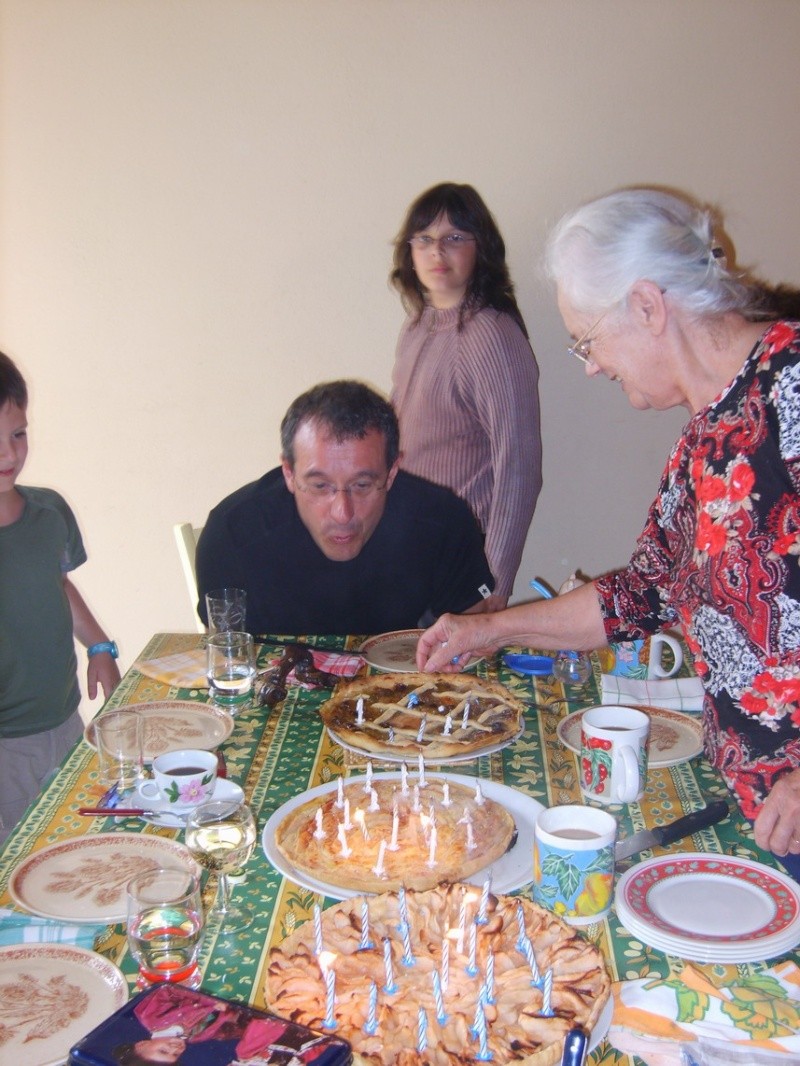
x=740, y=1022
x=182, y=669
x=677, y=694
x=19, y=928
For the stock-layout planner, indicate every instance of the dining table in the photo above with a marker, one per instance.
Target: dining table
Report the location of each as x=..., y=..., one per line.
x=276, y=753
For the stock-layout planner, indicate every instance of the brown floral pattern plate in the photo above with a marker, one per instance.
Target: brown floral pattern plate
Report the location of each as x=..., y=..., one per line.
x=51, y=995
x=170, y=725
x=674, y=736
x=84, y=879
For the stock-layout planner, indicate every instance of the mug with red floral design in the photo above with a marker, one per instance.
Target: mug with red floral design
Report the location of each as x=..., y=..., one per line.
x=613, y=765
x=182, y=779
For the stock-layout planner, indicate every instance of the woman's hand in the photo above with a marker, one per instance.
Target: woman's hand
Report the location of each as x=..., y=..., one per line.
x=453, y=640
x=777, y=826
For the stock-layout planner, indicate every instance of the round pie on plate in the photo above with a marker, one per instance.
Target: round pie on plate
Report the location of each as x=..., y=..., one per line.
x=519, y=1026
x=370, y=837
x=441, y=716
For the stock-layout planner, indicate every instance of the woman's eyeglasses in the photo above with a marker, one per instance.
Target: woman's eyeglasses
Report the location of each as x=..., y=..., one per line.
x=450, y=242
x=581, y=349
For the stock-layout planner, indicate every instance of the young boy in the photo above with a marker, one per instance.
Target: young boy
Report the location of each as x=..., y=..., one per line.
x=40, y=610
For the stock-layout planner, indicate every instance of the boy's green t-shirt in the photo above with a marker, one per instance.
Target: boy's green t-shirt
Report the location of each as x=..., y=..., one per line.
x=38, y=666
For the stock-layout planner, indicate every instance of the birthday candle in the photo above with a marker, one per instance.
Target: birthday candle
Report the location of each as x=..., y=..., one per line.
x=465, y=715
x=330, y=1002
x=529, y=955
x=480, y=1017
x=408, y=955
x=446, y=961
x=422, y=781
x=319, y=832
x=441, y=1017
x=487, y=884
x=446, y=801
x=347, y=823
x=317, y=930
x=346, y=852
x=422, y=1030
x=391, y=734
x=372, y=1014
x=368, y=778
x=484, y=1054
x=489, y=983
x=361, y=822
x=421, y=730
x=379, y=869
x=340, y=794
x=393, y=845
x=404, y=779
x=478, y=794
x=413, y=699
x=522, y=933
x=448, y=726
x=403, y=906
x=432, y=852
x=360, y=711
x=415, y=802
x=373, y=801
x=471, y=845
x=390, y=987
x=471, y=966
x=547, y=991
x=365, y=941
x=462, y=923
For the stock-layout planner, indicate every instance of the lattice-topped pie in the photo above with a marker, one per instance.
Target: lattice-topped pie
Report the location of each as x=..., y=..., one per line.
x=437, y=715
x=536, y=992
x=377, y=834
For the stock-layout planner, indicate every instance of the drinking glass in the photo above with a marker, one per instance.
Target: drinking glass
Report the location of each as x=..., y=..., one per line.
x=231, y=668
x=165, y=925
x=226, y=610
x=220, y=836
x=118, y=735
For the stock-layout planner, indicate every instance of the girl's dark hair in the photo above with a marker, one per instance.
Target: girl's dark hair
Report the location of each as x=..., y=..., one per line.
x=12, y=384
x=490, y=284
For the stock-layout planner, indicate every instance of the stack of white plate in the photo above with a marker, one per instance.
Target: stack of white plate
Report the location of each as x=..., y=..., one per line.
x=710, y=908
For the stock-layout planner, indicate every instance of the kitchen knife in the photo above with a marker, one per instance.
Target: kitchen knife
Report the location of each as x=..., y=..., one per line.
x=666, y=834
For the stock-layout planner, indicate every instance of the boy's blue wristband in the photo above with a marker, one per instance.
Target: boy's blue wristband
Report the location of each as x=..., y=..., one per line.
x=105, y=645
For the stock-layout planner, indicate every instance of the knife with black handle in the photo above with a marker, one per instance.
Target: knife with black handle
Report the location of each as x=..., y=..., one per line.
x=677, y=830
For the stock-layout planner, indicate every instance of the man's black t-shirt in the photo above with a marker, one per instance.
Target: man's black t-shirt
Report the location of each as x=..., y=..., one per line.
x=424, y=558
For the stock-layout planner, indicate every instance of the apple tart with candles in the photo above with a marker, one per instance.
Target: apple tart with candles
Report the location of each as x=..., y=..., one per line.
x=440, y=716
x=378, y=833
x=443, y=977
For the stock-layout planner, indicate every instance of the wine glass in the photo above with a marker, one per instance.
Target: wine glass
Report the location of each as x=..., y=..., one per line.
x=220, y=836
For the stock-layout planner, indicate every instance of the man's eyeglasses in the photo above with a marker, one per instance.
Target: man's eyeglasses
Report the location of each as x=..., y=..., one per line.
x=581, y=349
x=358, y=490
x=449, y=242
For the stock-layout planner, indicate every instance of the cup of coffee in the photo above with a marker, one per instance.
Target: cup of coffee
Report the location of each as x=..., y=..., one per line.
x=659, y=656
x=613, y=765
x=182, y=779
x=573, y=862
x=118, y=735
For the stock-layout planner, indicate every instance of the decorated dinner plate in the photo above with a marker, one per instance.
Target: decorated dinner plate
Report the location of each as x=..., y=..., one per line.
x=396, y=652
x=387, y=756
x=674, y=736
x=512, y=871
x=84, y=879
x=710, y=907
x=170, y=725
x=51, y=995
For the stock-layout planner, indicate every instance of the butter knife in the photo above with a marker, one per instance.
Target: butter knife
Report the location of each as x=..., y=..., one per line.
x=677, y=830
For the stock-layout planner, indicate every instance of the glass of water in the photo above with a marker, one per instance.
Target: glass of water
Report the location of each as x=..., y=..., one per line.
x=165, y=925
x=226, y=610
x=231, y=669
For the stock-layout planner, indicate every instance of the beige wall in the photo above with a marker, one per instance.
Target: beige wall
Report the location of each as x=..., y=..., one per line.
x=198, y=198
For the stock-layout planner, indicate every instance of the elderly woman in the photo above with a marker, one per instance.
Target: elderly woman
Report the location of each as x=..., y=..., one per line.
x=645, y=289
x=465, y=379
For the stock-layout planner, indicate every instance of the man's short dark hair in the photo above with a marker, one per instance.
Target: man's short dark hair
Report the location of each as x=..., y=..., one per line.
x=347, y=409
x=12, y=384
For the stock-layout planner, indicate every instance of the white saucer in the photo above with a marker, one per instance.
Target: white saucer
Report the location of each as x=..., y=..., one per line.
x=160, y=812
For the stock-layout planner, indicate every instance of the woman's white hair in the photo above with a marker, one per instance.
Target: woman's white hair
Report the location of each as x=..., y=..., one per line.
x=598, y=252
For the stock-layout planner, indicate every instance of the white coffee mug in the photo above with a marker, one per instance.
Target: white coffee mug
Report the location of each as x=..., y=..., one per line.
x=655, y=664
x=613, y=767
x=183, y=779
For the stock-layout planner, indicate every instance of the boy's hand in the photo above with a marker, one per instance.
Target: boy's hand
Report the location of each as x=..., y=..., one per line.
x=102, y=669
